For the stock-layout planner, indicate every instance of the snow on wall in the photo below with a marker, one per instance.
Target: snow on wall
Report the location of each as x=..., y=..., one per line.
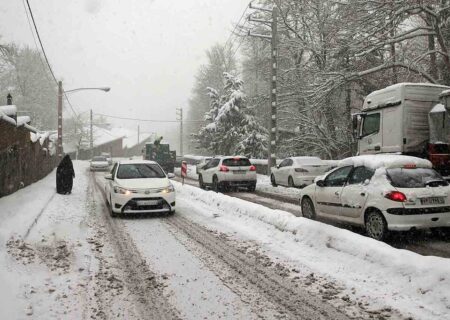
x=23, y=120
x=10, y=110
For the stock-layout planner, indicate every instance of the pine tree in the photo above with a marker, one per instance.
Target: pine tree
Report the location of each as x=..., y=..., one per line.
x=232, y=128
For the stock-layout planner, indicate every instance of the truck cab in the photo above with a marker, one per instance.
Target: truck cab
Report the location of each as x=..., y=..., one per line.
x=399, y=119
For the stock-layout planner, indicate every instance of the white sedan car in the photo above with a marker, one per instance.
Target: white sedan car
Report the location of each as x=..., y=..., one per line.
x=381, y=193
x=99, y=163
x=298, y=171
x=139, y=186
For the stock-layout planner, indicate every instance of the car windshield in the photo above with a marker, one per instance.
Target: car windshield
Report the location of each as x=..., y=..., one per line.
x=99, y=159
x=415, y=178
x=139, y=171
x=236, y=162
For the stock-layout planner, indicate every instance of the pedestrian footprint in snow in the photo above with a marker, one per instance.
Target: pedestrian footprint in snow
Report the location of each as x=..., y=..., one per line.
x=64, y=176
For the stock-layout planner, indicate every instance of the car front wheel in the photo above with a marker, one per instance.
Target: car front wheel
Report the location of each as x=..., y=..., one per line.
x=200, y=182
x=215, y=185
x=308, y=210
x=376, y=226
x=272, y=180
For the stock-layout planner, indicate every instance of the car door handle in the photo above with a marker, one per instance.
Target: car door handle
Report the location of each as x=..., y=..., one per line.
x=362, y=194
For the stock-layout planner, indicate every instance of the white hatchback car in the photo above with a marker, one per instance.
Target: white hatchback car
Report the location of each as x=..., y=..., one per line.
x=224, y=172
x=139, y=186
x=298, y=171
x=381, y=193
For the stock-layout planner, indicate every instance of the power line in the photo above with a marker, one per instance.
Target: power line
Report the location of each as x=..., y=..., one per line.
x=40, y=42
x=34, y=37
x=232, y=32
x=145, y=120
x=43, y=51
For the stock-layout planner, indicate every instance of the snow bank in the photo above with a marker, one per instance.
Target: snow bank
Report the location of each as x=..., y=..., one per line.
x=9, y=110
x=379, y=273
x=376, y=161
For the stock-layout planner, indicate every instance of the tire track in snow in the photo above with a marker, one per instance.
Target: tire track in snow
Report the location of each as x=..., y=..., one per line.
x=139, y=279
x=294, y=302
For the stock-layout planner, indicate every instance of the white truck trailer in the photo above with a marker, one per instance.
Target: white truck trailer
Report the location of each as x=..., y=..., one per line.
x=406, y=118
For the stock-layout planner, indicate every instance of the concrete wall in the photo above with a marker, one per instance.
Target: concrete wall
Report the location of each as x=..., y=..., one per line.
x=22, y=162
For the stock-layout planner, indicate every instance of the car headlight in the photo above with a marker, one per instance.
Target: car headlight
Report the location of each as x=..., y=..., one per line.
x=121, y=190
x=169, y=189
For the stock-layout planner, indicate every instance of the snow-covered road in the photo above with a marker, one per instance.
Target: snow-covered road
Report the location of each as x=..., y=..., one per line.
x=218, y=257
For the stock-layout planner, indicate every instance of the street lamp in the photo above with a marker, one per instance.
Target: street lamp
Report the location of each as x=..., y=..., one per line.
x=62, y=92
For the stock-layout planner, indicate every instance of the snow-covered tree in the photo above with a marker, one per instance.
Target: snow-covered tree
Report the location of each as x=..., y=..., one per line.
x=232, y=128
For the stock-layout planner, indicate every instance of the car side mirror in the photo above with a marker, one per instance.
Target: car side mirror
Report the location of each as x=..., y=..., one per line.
x=170, y=175
x=320, y=183
x=278, y=166
x=108, y=177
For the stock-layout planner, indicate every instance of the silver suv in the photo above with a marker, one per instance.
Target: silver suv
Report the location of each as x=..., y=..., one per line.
x=223, y=173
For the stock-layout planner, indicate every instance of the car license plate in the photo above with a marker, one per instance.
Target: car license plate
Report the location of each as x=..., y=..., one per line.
x=432, y=200
x=147, y=202
x=239, y=171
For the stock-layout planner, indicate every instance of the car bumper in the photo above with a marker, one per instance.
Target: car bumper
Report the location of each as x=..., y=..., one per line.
x=236, y=177
x=417, y=221
x=303, y=181
x=135, y=203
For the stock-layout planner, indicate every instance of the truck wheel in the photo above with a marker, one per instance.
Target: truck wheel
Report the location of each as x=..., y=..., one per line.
x=272, y=180
x=201, y=184
x=376, y=226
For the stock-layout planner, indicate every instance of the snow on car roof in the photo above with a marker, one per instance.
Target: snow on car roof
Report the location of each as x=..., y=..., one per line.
x=136, y=161
x=376, y=161
x=307, y=160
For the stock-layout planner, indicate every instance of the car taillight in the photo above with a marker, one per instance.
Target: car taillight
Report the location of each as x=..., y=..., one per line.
x=396, y=196
x=252, y=168
x=300, y=170
x=224, y=169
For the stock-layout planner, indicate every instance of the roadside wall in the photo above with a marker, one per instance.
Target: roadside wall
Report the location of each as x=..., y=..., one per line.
x=22, y=162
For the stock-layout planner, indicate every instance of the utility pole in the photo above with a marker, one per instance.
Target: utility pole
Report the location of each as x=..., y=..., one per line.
x=272, y=149
x=180, y=118
x=138, y=134
x=59, y=148
x=91, y=140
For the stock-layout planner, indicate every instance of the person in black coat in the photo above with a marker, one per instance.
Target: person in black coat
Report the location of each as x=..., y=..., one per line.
x=64, y=176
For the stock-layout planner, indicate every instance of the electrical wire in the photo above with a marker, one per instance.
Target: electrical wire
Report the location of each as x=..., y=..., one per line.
x=145, y=120
x=40, y=42
x=235, y=26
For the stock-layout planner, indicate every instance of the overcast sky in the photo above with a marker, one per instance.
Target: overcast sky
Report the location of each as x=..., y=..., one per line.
x=147, y=51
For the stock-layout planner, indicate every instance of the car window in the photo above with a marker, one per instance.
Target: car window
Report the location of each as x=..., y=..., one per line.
x=371, y=124
x=338, y=178
x=283, y=163
x=212, y=164
x=236, y=162
x=415, y=178
x=140, y=171
x=360, y=174
x=289, y=162
x=99, y=159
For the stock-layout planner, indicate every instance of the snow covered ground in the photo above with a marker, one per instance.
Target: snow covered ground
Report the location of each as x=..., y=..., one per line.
x=370, y=272
x=64, y=257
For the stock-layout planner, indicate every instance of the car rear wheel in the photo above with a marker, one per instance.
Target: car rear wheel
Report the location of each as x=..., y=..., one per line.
x=291, y=182
x=376, y=226
x=200, y=182
x=308, y=210
x=272, y=180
